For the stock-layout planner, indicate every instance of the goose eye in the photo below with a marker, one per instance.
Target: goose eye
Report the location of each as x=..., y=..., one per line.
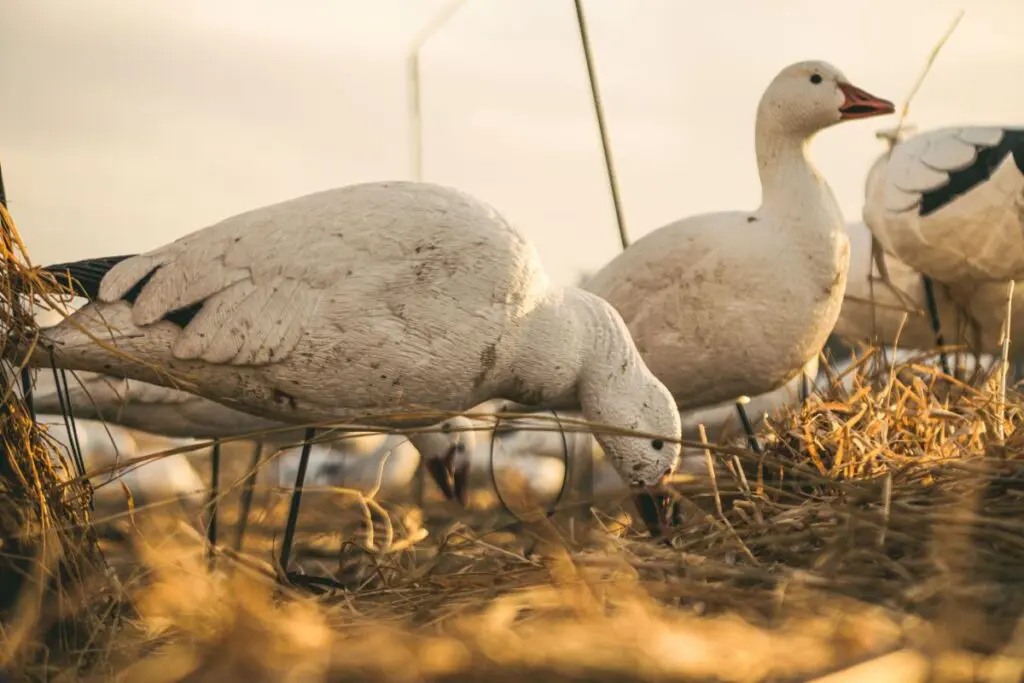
x=446, y=428
x=657, y=444
x=815, y=79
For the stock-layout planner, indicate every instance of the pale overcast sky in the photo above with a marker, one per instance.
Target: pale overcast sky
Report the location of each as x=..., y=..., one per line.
x=126, y=124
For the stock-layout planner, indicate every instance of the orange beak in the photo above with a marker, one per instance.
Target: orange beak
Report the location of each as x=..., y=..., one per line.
x=861, y=105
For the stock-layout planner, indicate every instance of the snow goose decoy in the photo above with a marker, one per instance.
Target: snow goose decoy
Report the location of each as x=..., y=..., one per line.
x=732, y=304
x=860, y=320
x=364, y=303
x=948, y=203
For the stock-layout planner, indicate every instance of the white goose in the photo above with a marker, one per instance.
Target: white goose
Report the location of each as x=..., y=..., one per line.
x=104, y=445
x=525, y=469
x=950, y=203
x=859, y=321
x=379, y=298
x=735, y=303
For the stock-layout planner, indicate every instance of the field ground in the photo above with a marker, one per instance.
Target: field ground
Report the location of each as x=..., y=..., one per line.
x=881, y=529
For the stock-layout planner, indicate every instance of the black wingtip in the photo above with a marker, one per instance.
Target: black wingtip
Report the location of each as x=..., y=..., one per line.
x=85, y=276
x=988, y=159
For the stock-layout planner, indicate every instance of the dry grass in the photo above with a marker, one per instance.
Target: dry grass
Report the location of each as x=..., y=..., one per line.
x=880, y=527
x=49, y=560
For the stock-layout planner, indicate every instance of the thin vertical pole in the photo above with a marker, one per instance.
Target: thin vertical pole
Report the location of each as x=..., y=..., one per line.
x=602, y=128
x=413, y=85
x=247, y=494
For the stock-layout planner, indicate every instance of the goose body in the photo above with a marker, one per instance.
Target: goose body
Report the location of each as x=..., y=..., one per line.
x=380, y=298
x=983, y=303
x=735, y=303
x=950, y=203
x=104, y=445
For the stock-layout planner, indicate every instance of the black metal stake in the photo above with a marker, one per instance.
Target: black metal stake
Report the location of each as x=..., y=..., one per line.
x=211, y=533
x=933, y=315
x=60, y=380
x=755, y=445
x=247, y=493
x=293, y=510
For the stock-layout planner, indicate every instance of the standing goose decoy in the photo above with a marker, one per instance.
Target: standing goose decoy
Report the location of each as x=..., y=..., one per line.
x=983, y=304
x=731, y=304
x=949, y=203
x=362, y=304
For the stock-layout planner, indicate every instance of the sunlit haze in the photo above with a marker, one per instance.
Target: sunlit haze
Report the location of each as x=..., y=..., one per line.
x=128, y=124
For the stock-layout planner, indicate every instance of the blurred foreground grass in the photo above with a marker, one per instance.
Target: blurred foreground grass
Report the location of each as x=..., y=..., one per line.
x=881, y=529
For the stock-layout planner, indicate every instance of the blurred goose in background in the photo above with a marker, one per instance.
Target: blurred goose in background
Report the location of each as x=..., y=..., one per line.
x=379, y=298
x=349, y=463
x=104, y=445
x=859, y=321
x=152, y=408
x=949, y=203
x=523, y=469
x=704, y=297
x=894, y=356
x=536, y=450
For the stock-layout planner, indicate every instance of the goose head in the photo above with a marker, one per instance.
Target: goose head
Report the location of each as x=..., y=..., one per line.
x=807, y=97
x=438, y=451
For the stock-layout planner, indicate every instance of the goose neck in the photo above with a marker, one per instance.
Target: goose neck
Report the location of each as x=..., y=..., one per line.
x=788, y=179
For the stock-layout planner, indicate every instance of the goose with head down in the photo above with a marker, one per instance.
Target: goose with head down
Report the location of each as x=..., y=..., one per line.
x=370, y=304
x=736, y=303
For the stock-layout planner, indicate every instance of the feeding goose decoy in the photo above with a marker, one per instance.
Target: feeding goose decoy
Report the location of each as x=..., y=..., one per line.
x=860, y=320
x=367, y=303
x=731, y=304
